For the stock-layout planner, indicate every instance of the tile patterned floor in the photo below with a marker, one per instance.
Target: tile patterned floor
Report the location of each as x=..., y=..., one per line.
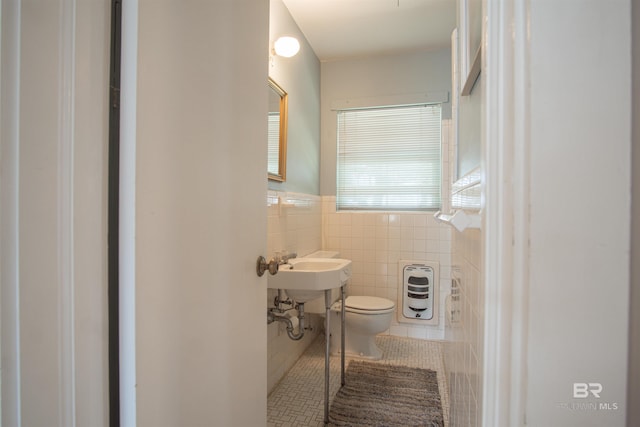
x=297, y=401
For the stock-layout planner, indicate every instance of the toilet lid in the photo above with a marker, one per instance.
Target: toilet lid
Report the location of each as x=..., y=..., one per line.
x=368, y=303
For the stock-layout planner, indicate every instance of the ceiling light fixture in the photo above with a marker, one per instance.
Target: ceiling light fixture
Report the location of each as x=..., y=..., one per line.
x=286, y=46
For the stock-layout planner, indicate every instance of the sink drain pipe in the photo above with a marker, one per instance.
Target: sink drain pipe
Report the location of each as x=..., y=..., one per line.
x=274, y=314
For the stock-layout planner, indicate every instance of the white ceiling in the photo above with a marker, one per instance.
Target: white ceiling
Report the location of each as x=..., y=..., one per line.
x=338, y=29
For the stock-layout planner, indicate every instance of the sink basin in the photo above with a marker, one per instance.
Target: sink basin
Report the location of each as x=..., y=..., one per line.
x=305, y=279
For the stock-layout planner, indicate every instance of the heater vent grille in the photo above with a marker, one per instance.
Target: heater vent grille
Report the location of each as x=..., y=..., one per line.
x=418, y=291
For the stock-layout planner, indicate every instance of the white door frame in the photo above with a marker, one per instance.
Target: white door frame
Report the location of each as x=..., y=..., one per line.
x=9, y=149
x=54, y=102
x=127, y=214
x=506, y=142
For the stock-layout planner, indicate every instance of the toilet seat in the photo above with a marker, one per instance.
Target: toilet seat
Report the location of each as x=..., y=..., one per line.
x=367, y=305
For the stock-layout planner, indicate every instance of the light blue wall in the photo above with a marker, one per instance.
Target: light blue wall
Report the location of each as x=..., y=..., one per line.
x=313, y=86
x=299, y=76
x=381, y=77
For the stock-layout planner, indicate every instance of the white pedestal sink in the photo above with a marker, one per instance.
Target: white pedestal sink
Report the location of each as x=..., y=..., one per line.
x=305, y=279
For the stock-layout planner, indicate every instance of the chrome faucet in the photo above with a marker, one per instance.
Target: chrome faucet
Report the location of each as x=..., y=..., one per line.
x=285, y=257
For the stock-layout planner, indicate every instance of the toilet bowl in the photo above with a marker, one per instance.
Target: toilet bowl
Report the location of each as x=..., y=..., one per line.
x=364, y=318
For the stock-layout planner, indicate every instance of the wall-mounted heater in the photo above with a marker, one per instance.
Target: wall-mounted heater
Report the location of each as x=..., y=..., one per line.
x=419, y=292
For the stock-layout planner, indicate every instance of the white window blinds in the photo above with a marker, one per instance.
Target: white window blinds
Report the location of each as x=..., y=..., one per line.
x=273, y=144
x=389, y=158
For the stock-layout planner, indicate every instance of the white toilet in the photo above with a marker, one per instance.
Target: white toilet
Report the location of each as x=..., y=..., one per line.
x=365, y=317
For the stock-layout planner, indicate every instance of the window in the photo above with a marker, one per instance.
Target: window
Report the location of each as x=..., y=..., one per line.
x=389, y=158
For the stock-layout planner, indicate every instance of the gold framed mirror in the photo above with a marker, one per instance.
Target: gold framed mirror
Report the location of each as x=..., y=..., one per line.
x=277, y=138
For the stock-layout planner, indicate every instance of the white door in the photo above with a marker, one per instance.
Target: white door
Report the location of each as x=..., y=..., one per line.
x=200, y=212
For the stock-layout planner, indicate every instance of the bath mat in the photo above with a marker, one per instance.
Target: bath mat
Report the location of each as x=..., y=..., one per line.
x=375, y=394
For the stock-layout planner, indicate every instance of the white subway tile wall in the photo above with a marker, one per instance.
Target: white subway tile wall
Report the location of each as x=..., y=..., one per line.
x=464, y=330
x=464, y=314
x=375, y=242
x=464, y=309
x=294, y=224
